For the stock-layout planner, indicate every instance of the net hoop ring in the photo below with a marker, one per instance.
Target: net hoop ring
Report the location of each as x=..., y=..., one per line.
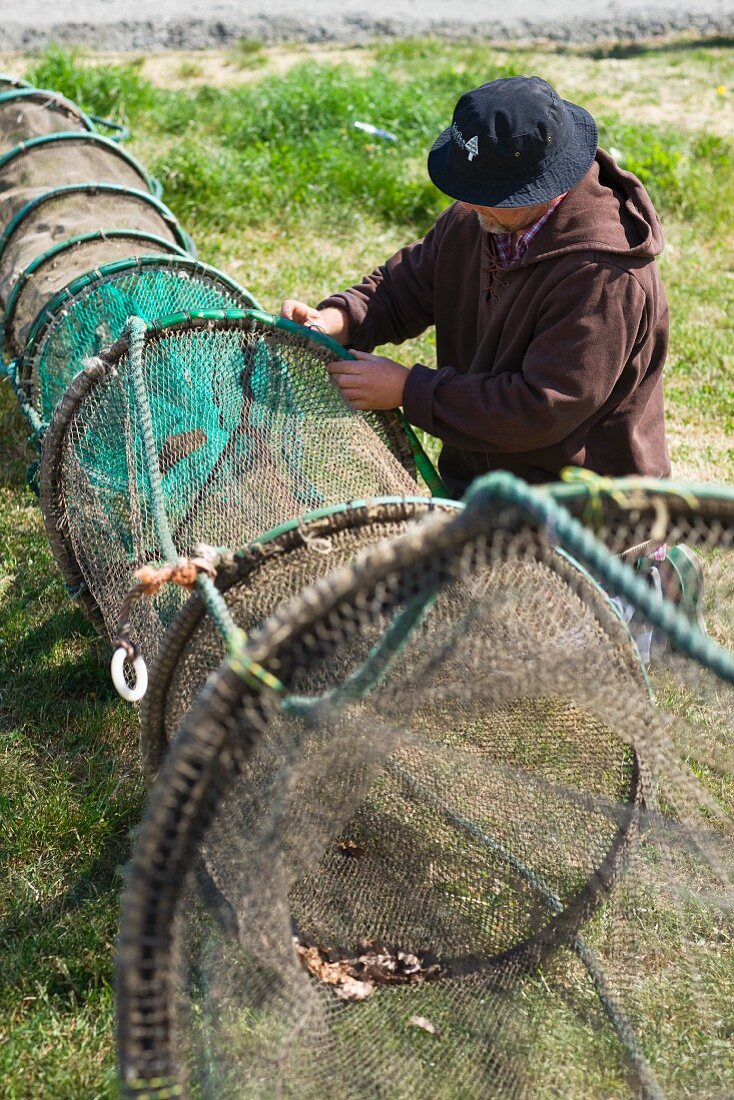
x=207, y=755
x=137, y=241
x=60, y=310
x=91, y=140
x=278, y=543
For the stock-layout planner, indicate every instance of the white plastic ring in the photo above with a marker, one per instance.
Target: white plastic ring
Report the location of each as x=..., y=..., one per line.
x=131, y=694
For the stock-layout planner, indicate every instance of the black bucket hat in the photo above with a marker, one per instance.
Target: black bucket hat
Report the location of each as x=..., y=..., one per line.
x=513, y=142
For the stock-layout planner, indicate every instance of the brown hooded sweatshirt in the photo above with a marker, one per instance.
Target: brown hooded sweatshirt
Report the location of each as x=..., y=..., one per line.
x=555, y=362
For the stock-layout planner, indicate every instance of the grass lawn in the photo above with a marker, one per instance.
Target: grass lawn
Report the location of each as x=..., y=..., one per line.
x=261, y=163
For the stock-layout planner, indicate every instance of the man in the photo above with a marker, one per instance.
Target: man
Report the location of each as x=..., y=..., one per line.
x=551, y=320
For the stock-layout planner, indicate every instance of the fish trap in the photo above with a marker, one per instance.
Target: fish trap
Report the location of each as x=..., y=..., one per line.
x=211, y=428
x=433, y=832
x=29, y=112
x=91, y=312
x=76, y=211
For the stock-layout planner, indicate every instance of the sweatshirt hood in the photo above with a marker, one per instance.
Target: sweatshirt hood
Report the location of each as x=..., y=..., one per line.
x=608, y=211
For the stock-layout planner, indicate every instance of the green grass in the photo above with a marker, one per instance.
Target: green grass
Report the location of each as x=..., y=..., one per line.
x=247, y=53
x=280, y=190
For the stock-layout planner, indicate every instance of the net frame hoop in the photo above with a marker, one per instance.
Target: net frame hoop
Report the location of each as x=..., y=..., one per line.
x=299, y=616
x=51, y=489
x=26, y=148
x=160, y=243
x=147, y=197
x=619, y=495
x=277, y=542
x=240, y=320
x=90, y=279
x=51, y=97
x=94, y=372
x=206, y=752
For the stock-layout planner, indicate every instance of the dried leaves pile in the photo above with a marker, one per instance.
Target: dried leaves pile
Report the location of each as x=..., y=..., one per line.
x=355, y=977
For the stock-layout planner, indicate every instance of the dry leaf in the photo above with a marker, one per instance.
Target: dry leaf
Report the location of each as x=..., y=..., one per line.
x=352, y=990
x=424, y=1025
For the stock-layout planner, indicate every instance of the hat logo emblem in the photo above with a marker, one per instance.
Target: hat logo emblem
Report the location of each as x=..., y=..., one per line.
x=470, y=147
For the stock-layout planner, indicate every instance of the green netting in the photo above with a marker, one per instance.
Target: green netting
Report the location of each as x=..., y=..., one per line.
x=74, y=211
x=247, y=429
x=57, y=267
x=430, y=834
x=91, y=313
x=29, y=112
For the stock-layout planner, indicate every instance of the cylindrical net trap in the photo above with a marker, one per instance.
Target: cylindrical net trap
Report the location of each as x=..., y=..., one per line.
x=49, y=273
x=75, y=211
x=248, y=430
x=90, y=314
x=428, y=835
x=27, y=113
x=40, y=164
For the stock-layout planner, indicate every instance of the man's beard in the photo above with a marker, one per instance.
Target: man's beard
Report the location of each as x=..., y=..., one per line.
x=490, y=224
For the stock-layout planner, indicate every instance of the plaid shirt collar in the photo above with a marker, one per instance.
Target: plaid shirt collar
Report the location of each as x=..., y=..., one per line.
x=509, y=248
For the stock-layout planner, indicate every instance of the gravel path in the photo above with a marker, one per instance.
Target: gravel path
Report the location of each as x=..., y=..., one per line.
x=191, y=24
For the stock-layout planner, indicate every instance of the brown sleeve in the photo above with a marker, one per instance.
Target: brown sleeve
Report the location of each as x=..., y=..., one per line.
x=395, y=302
x=591, y=327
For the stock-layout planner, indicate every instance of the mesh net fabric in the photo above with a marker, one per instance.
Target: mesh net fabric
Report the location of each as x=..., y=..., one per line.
x=33, y=113
x=258, y=579
x=74, y=213
x=91, y=318
x=41, y=166
x=250, y=431
x=464, y=852
x=60, y=267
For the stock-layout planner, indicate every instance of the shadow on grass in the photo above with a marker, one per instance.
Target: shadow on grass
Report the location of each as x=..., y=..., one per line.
x=52, y=669
x=65, y=929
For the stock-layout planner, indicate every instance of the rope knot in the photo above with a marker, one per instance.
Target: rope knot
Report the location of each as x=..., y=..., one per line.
x=184, y=572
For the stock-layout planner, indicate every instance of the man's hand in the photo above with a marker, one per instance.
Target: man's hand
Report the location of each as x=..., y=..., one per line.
x=370, y=381
x=333, y=322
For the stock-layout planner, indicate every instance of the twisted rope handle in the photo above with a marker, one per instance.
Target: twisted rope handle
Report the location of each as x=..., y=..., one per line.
x=198, y=572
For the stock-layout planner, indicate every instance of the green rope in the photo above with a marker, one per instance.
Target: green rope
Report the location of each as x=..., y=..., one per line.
x=376, y=664
x=213, y=599
x=120, y=132
x=137, y=330
x=503, y=488
x=38, y=426
x=423, y=464
x=216, y=605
